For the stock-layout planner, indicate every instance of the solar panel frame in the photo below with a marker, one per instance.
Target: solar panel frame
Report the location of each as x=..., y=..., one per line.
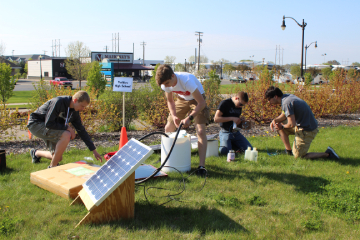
x=116, y=170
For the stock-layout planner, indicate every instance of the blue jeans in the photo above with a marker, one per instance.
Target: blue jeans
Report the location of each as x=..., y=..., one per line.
x=232, y=140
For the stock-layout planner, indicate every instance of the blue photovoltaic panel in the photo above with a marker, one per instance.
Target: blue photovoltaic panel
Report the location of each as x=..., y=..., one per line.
x=116, y=170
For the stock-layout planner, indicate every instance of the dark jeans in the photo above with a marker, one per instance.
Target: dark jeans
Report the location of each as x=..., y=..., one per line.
x=232, y=140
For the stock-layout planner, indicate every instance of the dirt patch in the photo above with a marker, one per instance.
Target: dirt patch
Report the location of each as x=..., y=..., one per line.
x=112, y=139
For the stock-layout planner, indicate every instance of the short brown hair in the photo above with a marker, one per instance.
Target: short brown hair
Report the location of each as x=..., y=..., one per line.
x=273, y=91
x=82, y=96
x=163, y=73
x=243, y=96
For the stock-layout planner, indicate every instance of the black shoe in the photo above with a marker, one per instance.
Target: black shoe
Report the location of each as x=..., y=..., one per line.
x=35, y=159
x=288, y=152
x=55, y=166
x=201, y=171
x=332, y=153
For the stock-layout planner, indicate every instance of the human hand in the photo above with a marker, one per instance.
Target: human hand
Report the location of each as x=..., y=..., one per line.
x=97, y=156
x=72, y=132
x=176, y=121
x=186, y=122
x=272, y=125
x=278, y=126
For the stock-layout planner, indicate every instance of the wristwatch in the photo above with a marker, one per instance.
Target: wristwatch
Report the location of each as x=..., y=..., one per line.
x=191, y=117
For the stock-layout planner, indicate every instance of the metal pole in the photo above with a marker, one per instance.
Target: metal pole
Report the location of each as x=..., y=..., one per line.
x=306, y=47
x=123, y=109
x=221, y=71
x=185, y=64
x=40, y=70
x=302, y=48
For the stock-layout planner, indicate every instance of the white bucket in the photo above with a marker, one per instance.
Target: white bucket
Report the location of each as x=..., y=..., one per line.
x=180, y=157
x=212, y=148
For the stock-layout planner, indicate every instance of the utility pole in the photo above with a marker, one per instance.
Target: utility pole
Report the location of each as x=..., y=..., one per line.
x=52, y=47
x=118, y=42
x=275, y=54
x=195, y=61
x=199, y=40
x=143, y=44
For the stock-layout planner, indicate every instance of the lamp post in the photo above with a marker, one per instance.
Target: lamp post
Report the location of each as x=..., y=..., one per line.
x=40, y=68
x=221, y=71
x=306, y=47
x=283, y=26
x=324, y=56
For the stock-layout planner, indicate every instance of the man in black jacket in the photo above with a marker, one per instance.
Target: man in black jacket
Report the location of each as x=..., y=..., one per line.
x=50, y=122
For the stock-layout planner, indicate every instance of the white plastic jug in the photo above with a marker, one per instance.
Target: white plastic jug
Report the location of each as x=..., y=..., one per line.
x=254, y=155
x=247, y=155
x=180, y=157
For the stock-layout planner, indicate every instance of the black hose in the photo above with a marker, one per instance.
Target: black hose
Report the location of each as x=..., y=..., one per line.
x=167, y=157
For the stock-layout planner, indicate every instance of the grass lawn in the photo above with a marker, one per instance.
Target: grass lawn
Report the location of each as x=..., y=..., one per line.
x=278, y=197
x=21, y=97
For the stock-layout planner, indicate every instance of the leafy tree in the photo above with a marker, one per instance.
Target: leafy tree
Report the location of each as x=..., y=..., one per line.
x=295, y=71
x=243, y=68
x=228, y=68
x=7, y=83
x=169, y=59
x=313, y=71
x=308, y=78
x=2, y=48
x=95, y=79
x=179, y=67
x=213, y=76
x=327, y=72
x=356, y=64
x=76, y=52
x=333, y=62
x=203, y=59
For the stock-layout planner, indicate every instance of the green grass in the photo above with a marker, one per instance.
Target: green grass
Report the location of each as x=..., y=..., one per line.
x=21, y=97
x=278, y=197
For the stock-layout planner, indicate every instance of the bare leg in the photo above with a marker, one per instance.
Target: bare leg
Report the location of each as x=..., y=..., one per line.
x=202, y=143
x=316, y=155
x=60, y=148
x=45, y=154
x=285, y=139
x=170, y=127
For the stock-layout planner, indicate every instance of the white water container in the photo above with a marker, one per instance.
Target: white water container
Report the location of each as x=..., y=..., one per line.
x=180, y=157
x=254, y=155
x=247, y=155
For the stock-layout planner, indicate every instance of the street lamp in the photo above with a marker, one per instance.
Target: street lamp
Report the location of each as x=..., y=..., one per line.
x=324, y=56
x=40, y=68
x=306, y=47
x=283, y=26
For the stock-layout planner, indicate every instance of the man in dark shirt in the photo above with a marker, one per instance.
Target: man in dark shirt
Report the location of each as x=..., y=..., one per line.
x=50, y=122
x=228, y=113
x=300, y=122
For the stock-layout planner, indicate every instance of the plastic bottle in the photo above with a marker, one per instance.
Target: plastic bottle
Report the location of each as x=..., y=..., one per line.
x=254, y=155
x=231, y=156
x=247, y=155
x=89, y=158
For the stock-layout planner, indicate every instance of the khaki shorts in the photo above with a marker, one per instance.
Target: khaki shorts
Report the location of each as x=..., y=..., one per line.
x=302, y=140
x=50, y=136
x=183, y=107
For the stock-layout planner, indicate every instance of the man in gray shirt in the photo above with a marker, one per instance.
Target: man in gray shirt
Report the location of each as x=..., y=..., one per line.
x=300, y=122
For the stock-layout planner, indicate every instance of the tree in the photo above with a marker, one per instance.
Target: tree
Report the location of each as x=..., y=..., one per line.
x=295, y=71
x=356, y=64
x=179, y=67
x=7, y=83
x=228, y=68
x=333, y=62
x=169, y=59
x=327, y=72
x=203, y=59
x=95, y=79
x=243, y=68
x=308, y=78
x=313, y=71
x=75, y=64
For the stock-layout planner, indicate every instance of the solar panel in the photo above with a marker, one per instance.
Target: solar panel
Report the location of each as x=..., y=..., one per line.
x=116, y=170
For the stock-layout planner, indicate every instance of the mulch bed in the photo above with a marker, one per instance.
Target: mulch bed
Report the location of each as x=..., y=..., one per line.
x=112, y=139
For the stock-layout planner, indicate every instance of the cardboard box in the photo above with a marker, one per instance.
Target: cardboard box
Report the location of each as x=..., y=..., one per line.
x=65, y=180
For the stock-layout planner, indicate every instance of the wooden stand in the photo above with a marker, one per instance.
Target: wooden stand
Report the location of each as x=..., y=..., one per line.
x=120, y=204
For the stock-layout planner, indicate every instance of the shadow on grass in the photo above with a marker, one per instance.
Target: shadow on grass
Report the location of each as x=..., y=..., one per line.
x=6, y=171
x=182, y=219
x=302, y=183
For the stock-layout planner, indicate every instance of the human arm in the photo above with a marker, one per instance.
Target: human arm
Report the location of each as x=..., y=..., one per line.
x=52, y=110
x=97, y=155
x=277, y=120
x=80, y=129
x=219, y=118
x=172, y=108
x=200, y=106
x=290, y=123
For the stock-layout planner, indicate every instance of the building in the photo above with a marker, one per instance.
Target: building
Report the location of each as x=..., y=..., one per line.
x=12, y=65
x=47, y=68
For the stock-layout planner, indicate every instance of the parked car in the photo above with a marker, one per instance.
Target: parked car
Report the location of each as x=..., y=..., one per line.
x=61, y=81
x=238, y=80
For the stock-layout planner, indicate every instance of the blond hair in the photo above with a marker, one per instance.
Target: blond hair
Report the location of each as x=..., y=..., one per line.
x=82, y=96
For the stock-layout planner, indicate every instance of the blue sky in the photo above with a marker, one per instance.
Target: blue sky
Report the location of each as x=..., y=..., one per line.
x=233, y=30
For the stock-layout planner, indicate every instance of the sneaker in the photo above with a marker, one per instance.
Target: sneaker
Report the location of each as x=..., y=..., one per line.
x=35, y=159
x=201, y=171
x=55, y=166
x=288, y=152
x=332, y=153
